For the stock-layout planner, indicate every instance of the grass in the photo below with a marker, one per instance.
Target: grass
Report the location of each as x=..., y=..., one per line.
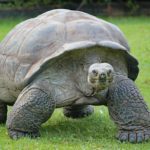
x=97, y=131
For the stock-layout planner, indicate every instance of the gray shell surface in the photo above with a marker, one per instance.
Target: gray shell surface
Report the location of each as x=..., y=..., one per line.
x=34, y=42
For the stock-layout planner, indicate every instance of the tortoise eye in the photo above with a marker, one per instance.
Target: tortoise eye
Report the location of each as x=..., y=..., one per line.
x=109, y=72
x=95, y=72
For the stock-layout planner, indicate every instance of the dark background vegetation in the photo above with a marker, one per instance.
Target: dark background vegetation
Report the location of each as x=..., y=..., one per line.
x=95, y=7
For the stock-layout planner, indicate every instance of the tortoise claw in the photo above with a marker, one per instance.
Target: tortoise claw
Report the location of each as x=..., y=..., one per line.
x=14, y=134
x=136, y=136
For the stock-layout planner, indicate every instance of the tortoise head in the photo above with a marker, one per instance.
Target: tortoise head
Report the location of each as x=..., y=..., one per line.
x=100, y=76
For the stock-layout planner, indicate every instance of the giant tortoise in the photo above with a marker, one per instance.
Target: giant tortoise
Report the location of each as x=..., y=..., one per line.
x=69, y=59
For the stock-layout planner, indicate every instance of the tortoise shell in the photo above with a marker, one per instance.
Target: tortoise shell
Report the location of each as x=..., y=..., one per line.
x=34, y=42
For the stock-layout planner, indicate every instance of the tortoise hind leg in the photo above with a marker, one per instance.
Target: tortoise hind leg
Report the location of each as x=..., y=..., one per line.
x=129, y=111
x=3, y=112
x=78, y=111
x=32, y=108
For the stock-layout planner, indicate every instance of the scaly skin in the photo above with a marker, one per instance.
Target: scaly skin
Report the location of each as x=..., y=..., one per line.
x=32, y=108
x=129, y=111
x=3, y=112
x=78, y=111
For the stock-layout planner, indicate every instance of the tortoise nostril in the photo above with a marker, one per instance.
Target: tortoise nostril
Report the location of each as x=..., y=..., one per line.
x=102, y=77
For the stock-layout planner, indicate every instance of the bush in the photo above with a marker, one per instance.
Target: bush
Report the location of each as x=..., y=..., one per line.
x=42, y=3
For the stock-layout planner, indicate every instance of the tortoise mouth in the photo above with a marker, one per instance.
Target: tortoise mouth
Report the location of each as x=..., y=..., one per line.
x=100, y=85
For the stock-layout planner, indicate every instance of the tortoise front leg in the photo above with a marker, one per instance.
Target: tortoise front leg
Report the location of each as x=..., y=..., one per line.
x=33, y=107
x=129, y=111
x=3, y=112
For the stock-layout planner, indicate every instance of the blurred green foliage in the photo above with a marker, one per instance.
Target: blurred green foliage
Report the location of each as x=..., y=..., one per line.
x=40, y=3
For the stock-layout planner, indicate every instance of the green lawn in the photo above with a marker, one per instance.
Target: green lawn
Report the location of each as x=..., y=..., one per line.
x=97, y=131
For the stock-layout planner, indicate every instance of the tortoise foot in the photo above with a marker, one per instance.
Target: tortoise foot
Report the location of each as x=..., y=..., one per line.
x=14, y=134
x=134, y=136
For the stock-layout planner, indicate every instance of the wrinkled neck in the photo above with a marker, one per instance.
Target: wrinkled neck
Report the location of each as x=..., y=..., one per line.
x=81, y=73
